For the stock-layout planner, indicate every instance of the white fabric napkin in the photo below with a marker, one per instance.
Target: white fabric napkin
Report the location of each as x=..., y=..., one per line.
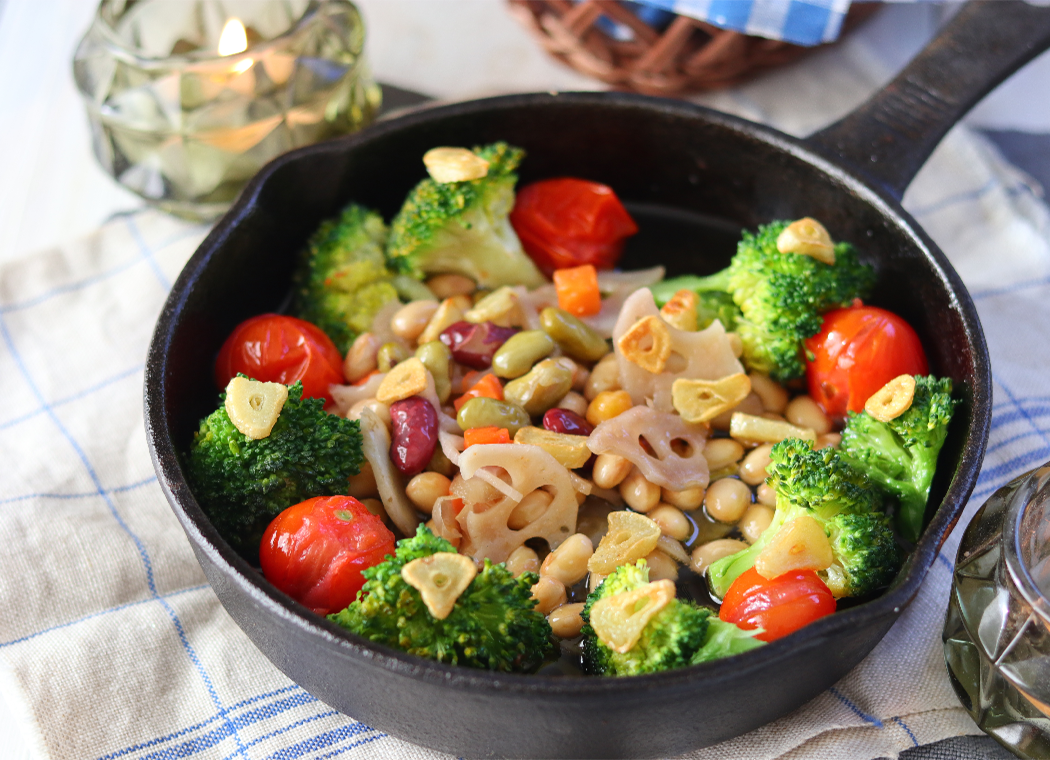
x=113, y=646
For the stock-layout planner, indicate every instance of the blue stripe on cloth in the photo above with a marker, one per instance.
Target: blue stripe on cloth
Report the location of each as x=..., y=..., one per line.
x=324, y=741
x=349, y=747
x=75, y=397
x=951, y=200
x=1010, y=289
x=147, y=253
x=809, y=21
x=289, y=727
x=856, y=710
x=914, y=741
x=82, y=495
x=147, y=563
x=803, y=22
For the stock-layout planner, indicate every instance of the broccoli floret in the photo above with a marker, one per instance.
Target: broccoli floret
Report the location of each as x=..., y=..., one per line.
x=681, y=634
x=343, y=279
x=493, y=624
x=901, y=455
x=463, y=227
x=242, y=483
x=781, y=297
x=824, y=486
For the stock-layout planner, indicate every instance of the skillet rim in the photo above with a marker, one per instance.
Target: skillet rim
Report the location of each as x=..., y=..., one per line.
x=889, y=605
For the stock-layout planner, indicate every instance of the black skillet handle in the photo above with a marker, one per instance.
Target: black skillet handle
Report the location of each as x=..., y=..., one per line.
x=891, y=135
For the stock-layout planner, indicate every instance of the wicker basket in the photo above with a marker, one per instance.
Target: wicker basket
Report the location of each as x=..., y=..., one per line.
x=687, y=56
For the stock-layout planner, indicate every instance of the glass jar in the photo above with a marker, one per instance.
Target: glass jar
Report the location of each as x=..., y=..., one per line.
x=188, y=99
x=997, y=633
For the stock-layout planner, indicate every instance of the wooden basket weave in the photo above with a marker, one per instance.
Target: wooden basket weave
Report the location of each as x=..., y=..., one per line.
x=687, y=56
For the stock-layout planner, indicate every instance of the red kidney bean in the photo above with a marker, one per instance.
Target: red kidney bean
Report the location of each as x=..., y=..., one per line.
x=565, y=421
x=473, y=345
x=415, y=434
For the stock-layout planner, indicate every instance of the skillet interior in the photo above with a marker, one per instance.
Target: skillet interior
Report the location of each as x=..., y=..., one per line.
x=663, y=154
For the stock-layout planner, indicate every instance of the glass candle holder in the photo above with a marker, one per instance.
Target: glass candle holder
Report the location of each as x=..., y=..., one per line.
x=997, y=633
x=188, y=99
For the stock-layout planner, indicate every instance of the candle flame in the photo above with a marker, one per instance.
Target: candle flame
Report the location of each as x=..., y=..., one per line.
x=233, y=38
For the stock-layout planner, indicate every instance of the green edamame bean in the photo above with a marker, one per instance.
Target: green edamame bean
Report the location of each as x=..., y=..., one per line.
x=488, y=412
x=576, y=339
x=436, y=357
x=543, y=387
x=390, y=355
x=516, y=357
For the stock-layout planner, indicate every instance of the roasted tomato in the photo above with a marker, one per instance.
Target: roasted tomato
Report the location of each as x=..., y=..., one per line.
x=570, y=222
x=857, y=351
x=779, y=606
x=275, y=348
x=315, y=551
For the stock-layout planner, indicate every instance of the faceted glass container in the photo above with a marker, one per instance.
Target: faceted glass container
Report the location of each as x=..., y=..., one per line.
x=185, y=127
x=997, y=633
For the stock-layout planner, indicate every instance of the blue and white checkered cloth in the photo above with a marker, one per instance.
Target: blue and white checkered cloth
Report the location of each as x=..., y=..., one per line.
x=113, y=646
x=803, y=22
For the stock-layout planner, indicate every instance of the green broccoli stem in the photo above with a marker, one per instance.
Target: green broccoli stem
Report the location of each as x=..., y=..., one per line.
x=722, y=573
x=663, y=291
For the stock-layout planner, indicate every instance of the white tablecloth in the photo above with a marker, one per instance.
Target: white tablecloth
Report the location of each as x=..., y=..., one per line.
x=111, y=644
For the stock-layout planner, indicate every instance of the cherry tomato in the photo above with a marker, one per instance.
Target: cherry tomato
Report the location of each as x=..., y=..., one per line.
x=857, y=351
x=275, y=348
x=570, y=222
x=315, y=551
x=779, y=606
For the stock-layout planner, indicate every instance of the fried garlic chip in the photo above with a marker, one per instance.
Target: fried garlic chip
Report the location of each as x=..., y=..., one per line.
x=808, y=237
x=454, y=165
x=801, y=544
x=631, y=536
x=254, y=406
x=440, y=579
x=407, y=379
x=647, y=343
x=620, y=619
x=681, y=310
x=891, y=400
x=570, y=450
x=703, y=400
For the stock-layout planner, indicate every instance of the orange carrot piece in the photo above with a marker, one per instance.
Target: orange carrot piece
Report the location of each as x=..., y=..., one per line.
x=577, y=290
x=491, y=434
x=488, y=386
x=367, y=377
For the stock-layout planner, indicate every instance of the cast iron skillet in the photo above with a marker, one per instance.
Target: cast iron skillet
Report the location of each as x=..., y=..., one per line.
x=682, y=167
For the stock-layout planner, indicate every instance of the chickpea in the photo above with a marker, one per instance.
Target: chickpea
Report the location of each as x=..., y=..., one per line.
x=773, y=395
x=568, y=563
x=426, y=488
x=703, y=556
x=608, y=404
x=574, y=402
x=722, y=452
x=363, y=484
x=639, y=493
x=687, y=498
x=549, y=593
x=805, y=413
x=727, y=499
x=580, y=378
x=411, y=319
x=447, y=285
x=661, y=566
x=753, y=468
x=604, y=377
x=767, y=495
x=828, y=439
x=523, y=560
x=381, y=410
x=566, y=621
x=755, y=521
x=361, y=358
x=610, y=470
x=672, y=522
x=529, y=509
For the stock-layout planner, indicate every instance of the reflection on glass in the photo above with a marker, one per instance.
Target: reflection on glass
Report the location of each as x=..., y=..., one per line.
x=997, y=634
x=189, y=98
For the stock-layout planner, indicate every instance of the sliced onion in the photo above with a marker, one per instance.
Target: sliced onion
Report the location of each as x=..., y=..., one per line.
x=346, y=396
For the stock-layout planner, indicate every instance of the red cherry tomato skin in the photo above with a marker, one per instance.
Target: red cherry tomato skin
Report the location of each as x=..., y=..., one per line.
x=857, y=351
x=275, y=348
x=315, y=551
x=780, y=606
x=567, y=222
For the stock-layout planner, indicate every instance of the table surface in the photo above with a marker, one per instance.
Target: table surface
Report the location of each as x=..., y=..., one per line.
x=52, y=191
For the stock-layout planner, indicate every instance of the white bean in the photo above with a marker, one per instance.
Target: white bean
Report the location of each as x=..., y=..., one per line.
x=411, y=319
x=639, y=493
x=566, y=621
x=703, y=556
x=805, y=413
x=753, y=468
x=727, y=500
x=568, y=563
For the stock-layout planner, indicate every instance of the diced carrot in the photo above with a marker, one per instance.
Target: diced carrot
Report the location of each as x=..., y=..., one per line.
x=457, y=505
x=491, y=434
x=367, y=377
x=488, y=386
x=577, y=290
